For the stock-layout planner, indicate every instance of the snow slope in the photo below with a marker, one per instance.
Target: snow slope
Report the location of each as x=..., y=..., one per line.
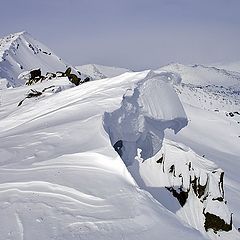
x=99, y=71
x=20, y=52
x=204, y=75
x=60, y=177
x=213, y=131
x=231, y=66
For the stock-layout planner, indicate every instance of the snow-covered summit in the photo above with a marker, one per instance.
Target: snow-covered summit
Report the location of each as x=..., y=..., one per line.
x=20, y=52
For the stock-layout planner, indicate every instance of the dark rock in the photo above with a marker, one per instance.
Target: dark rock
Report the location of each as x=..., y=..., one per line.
x=74, y=79
x=32, y=93
x=160, y=160
x=215, y=223
x=35, y=73
x=220, y=199
x=118, y=147
x=182, y=196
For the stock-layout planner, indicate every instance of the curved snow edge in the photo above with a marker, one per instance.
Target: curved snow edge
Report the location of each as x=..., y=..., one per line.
x=145, y=112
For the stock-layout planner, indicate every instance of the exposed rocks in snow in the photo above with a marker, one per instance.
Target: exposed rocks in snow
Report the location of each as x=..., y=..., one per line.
x=216, y=223
x=137, y=129
x=20, y=52
x=33, y=93
x=181, y=196
x=34, y=76
x=195, y=183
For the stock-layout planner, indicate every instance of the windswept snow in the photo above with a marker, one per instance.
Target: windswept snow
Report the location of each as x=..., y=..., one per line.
x=61, y=178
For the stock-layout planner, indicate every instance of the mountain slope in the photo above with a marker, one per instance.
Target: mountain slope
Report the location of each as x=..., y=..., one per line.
x=20, y=52
x=212, y=105
x=99, y=71
x=231, y=66
x=204, y=75
x=60, y=175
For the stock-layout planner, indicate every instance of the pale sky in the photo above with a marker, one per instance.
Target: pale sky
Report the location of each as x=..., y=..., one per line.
x=137, y=34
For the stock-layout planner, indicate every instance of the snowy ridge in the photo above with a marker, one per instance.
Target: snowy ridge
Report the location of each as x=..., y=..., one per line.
x=203, y=75
x=68, y=186
x=96, y=71
x=19, y=52
x=232, y=66
x=187, y=184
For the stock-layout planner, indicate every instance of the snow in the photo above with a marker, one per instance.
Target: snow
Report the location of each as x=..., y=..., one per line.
x=60, y=176
x=230, y=66
x=211, y=131
x=20, y=52
x=155, y=177
x=107, y=159
x=203, y=75
x=145, y=112
x=96, y=71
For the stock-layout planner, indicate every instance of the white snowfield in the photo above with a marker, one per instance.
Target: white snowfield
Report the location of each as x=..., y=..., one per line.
x=231, y=66
x=60, y=176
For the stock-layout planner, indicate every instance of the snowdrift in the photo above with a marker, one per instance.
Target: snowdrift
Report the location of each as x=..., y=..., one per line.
x=60, y=176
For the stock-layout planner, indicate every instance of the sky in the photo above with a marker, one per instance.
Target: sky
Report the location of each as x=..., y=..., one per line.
x=136, y=34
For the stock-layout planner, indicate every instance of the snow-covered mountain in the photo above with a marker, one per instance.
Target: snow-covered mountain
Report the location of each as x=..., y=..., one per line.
x=204, y=75
x=20, y=52
x=230, y=66
x=212, y=106
x=134, y=156
x=99, y=71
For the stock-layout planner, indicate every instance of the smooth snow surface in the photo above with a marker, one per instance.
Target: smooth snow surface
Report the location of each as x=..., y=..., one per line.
x=60, y=176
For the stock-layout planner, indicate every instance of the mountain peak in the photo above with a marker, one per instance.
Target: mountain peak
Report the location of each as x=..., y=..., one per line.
x=20, y=52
